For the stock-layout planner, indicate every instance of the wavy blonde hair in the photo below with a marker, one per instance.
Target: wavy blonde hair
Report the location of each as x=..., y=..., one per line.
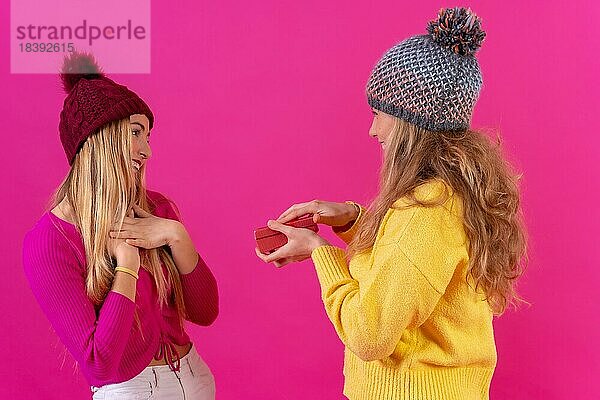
x=473, y=166
x=101, y=188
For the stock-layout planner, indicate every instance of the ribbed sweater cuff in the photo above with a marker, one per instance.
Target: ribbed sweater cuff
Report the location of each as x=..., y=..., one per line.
x=331, y=266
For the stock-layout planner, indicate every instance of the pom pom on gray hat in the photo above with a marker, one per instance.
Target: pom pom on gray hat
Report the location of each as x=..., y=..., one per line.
x=458, y=29
x=432, y=80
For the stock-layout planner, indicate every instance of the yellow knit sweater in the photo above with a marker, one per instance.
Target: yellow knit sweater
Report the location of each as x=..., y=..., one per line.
x=412, y=326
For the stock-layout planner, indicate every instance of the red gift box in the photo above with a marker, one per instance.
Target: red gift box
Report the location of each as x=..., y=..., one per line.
x=269, y=240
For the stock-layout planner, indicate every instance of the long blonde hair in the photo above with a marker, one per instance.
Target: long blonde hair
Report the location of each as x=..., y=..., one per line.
x=101, y=188
x=473, y=166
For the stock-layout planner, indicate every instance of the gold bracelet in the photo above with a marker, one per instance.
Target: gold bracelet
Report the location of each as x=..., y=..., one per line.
x=127, y=271
x=355, y=206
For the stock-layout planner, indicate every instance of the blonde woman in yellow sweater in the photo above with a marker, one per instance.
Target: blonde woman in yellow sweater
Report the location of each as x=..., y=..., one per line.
x=438, y=252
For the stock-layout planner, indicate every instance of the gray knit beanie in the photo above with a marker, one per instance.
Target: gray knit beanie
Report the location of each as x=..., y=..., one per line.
x=433, y=80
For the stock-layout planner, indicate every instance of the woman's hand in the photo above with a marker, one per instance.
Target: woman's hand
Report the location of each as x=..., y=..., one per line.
x=147, y=231
x=119, y=249
x=300, y=245
x=324, y=212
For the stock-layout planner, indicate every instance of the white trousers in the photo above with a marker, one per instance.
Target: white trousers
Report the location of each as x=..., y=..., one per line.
x=194, y=381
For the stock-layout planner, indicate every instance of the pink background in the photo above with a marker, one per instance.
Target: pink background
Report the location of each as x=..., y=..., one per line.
x=258, y=108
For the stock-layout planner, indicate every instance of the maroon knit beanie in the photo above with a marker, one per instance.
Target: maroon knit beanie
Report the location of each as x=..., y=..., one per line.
x=93, y=100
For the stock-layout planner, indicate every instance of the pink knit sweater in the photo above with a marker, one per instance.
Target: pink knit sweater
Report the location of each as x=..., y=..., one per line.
x=105, y=341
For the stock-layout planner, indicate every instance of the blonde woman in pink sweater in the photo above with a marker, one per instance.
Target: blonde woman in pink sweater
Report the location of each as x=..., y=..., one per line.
x=111, y=264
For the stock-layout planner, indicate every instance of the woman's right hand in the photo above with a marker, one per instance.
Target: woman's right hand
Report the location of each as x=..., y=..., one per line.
x=122, y=251
x=324, y=212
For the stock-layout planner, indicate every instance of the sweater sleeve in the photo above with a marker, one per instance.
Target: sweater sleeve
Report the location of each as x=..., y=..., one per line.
x=200, y=292
x=401, y=281
x=96, y=340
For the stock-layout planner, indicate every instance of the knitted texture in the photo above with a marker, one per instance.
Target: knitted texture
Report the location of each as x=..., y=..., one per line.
x=412, y=325
x=105, y=340
x=93, y=100
x=433, y=80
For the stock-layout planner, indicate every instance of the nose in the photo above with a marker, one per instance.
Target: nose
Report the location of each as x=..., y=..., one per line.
x=372, y=130
x=146, y=151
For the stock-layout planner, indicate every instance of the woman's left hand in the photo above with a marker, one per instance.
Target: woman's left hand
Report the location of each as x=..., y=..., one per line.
x=147, y=231
x=300, y=245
